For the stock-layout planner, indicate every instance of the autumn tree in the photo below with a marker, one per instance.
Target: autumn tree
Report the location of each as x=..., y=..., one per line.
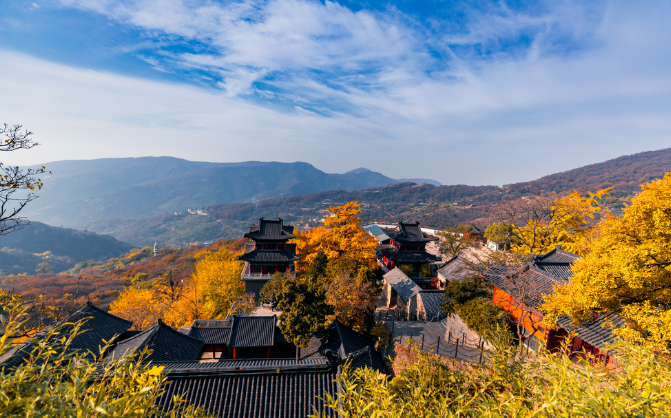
x=627, y=269
x=17, y=186
x=352, y=301
x=345, y=243
x=537, y=224
x=179, y=297
x=218, y=282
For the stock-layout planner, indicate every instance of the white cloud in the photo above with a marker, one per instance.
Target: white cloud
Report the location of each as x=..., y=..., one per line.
x=391, y=107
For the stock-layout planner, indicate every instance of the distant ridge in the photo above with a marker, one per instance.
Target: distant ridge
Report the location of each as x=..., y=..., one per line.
x=434, y=206
x=78, y=192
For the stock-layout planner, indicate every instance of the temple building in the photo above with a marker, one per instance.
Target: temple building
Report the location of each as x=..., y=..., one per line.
x=405, y=248
x=267, y=254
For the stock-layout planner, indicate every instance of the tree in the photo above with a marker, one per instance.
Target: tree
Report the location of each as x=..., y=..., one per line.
x=470, y=298
x=44, y=268
x=179, y=297
x=536, y=225
x=627, y=270
x=304, y=310
x=347, y=246
x=452, y=242
x=352, y=301
x=218, y=280
x=15, y=182
x=273, y=287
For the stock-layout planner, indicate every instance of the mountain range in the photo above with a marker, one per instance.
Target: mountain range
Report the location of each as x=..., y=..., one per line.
x=78, y=192
x=434, y=206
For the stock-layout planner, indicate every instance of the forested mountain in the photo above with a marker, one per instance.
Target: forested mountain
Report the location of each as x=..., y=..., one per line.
x=435, y=206
x=625, y=174
x=81, y=191
x=61, y=248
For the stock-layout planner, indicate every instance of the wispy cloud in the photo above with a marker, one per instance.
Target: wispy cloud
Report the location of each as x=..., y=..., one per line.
x=523, y=90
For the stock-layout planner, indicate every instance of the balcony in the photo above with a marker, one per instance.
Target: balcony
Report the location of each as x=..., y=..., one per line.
x=247, y=275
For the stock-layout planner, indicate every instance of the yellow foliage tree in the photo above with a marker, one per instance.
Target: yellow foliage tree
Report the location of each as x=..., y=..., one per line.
x=208, y=294
x=218, y=282
x=537, y=225
x=627, y=269
x=342, y=240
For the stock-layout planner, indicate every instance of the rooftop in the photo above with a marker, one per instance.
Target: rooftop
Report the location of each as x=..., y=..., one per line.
x=402, y=284
x=163, y=343
x=270, y=230
x=409, y=232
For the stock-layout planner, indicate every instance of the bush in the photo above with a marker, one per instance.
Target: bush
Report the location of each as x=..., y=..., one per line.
x=59, y=381
x=510, y=386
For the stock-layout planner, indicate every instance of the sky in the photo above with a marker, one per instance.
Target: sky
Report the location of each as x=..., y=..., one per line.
x=463, y=92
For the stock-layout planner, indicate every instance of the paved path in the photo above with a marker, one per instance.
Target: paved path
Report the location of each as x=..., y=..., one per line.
x=430, y=336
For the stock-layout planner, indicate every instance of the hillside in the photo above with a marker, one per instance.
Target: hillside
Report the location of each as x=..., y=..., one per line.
x=435, y=206
x=77, y=192
x=62, y=248
x=101, y=282
x=625, y=174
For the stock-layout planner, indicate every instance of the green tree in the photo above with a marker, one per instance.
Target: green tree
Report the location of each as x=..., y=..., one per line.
x=304, y=310
x=272, y=287
x=471, y=299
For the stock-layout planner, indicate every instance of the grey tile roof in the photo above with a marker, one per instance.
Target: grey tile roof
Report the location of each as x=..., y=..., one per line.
x=343, y=342
x=245, y=366
x=556, y=255
x=270, y=230
x=286, y=255
x=516, y=280
x=280, y=395
x=409, y=232
x=211, y=335
x=456, y=268
x=431, y=301
x=253, y=331
x=164, y=344
x=402, y=284
x=405, y=256
x=99, y=327
x=352, y=341
x=595, y=333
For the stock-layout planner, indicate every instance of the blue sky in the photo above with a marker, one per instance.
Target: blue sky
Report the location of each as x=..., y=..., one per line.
x=474, y=92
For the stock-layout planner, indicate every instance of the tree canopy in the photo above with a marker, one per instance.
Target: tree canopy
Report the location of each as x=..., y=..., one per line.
x=627, y=269
x=536, y=225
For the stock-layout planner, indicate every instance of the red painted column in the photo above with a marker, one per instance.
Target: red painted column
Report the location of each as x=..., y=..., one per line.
x=234, y=354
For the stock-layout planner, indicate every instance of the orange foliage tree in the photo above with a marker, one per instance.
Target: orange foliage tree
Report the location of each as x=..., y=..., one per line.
x=344, y=242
